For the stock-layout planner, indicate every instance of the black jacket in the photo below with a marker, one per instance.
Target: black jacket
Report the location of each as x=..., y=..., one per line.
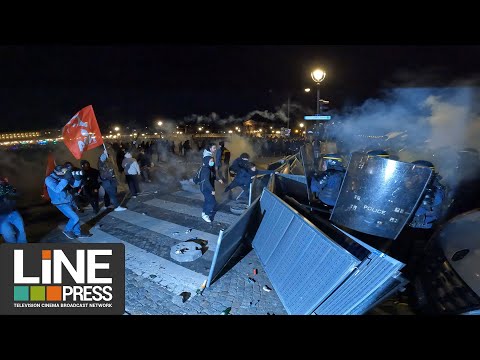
x=207, y=175
x=90, y=178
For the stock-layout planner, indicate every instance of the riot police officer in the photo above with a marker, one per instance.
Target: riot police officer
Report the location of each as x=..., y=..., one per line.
x=431, y=204
x=326, y=185
x=409, y=247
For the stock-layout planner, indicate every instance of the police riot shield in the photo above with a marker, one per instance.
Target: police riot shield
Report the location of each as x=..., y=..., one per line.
x=378, y=195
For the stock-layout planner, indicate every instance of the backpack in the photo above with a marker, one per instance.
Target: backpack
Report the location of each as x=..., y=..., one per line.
x=196, y=177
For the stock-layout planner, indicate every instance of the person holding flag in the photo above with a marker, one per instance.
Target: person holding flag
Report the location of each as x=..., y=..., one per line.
x=80, y=134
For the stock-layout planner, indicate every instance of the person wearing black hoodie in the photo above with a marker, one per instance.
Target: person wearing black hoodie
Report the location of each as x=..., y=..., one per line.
x=207, y=183
x=91, y=184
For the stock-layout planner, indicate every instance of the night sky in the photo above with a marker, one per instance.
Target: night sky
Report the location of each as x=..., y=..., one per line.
x=43, y=86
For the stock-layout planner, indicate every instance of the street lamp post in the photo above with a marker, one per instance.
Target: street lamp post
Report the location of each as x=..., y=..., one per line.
x=288, y=113
x=318, y=76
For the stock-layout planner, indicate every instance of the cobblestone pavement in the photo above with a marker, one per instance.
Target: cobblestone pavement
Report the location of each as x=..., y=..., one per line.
x=156, y=220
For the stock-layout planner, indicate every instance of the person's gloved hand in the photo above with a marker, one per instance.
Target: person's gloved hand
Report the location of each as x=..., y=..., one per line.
x=68, y=175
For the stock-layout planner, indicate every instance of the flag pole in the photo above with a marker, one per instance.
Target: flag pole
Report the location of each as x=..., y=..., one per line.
x=114, y=170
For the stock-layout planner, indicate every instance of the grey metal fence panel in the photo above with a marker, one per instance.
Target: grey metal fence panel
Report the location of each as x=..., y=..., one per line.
x=300, y=178
x=370, y=276
x=304, y=265
x=382, y=293
x=230, y=239
x=365, y=286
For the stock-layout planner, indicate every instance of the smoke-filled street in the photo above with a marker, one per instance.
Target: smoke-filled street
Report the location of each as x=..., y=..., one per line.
x=145, y=181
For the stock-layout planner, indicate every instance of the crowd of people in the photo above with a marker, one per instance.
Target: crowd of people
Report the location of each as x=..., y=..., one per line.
x=70, y=189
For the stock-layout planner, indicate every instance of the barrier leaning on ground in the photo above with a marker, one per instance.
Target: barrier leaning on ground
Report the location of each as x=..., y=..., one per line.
x=313, y=272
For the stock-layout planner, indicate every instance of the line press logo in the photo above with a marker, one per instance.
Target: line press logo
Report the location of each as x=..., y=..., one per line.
x=62, y=279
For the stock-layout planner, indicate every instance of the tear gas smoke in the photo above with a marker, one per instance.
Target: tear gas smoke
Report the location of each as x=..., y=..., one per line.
x=415, y=124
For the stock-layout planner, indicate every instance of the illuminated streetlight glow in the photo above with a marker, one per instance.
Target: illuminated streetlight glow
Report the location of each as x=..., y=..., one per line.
x=230, y=131
x=116, y=128
x=318, y=75
x=307, y=90
x=302, y=125
x=207, y=132
x=159, y=123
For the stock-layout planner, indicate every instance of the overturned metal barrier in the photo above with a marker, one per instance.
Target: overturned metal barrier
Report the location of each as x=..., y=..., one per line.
x=313, y=272
x=241, y=232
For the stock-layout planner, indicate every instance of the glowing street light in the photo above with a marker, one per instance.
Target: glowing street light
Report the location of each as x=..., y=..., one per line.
x=307, y=90
x=159, y=123
x=230, y=131
x=318, y=75
x=302, y=125
x=116, y=128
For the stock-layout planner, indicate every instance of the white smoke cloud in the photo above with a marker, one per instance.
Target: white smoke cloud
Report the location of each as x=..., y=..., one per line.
x=279, y=115
x=415, y=124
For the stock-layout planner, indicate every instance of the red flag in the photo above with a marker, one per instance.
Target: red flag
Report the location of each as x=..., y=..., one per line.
x=50, y=167
x=82, y=132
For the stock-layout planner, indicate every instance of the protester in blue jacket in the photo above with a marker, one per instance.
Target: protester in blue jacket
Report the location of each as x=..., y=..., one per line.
x=58, y=183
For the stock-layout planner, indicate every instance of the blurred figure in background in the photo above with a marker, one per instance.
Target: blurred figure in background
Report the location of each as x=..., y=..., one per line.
x=11, y=222
x=132, y=170
x=109, y=183
x=222, y=161
x=144, y=162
